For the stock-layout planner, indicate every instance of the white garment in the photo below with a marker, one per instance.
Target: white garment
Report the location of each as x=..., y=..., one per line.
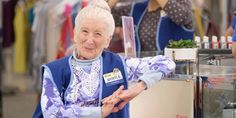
x=53, y=31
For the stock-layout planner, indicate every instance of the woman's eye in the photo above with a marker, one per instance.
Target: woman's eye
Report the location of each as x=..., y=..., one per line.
x=98, y=34
x=84, y=31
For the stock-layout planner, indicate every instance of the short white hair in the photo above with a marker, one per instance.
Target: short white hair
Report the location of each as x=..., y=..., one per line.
x=97, y=9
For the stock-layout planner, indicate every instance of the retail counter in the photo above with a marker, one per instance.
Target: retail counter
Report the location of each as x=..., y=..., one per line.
x=167, y=99
x=218, y=91
x=215, y=79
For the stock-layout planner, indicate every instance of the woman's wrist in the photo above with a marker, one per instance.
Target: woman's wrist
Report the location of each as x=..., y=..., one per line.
x=104, y=115
x=142, y=85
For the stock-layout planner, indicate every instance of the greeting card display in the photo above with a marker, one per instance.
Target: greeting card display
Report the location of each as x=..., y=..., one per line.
x=129, y=37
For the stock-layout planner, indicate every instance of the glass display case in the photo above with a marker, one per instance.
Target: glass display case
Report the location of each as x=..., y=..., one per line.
x=218, y=84
x=219, y=96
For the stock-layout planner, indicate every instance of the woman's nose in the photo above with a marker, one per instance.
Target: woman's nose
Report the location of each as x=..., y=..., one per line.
x=90, y=38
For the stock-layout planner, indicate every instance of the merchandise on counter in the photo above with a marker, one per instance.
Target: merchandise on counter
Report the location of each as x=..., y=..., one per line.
x=206, y=44
x=214, y=42
x=229, y=42
x=223, y=44
x=198, y=42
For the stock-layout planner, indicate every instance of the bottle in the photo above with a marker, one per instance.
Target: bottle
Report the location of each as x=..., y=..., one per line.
x=229, y=42
x=206, y=44
x=198, y=42
x=214, y=42
x=223, y=44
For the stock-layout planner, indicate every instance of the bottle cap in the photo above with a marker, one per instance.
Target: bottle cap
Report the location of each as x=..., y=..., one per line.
x=214, y=39
x=197, y=39
x=222, y=39
x=205, y=39
x=229, y=38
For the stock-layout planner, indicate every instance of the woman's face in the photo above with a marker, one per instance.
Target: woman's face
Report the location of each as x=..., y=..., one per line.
x=92, y=38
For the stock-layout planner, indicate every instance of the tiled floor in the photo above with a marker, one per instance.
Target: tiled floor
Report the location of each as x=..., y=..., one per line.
x=19, y=96
x=20, y=105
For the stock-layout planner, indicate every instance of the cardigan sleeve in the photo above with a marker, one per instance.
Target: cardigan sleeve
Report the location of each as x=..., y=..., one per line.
x=148, y=69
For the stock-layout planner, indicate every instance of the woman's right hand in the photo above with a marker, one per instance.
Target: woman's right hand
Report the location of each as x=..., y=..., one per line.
x=112, y=3
x=110, y=102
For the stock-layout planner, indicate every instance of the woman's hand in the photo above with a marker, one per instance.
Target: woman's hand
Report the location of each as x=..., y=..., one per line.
x=110, y=102
x=112, y=3
x=131, y=93
x=234, y=50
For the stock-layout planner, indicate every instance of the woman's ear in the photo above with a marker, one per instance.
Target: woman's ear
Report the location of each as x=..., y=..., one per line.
x=108, y=41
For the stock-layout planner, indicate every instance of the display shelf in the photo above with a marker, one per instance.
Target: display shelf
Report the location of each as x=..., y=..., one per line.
x=214, y=51
x=217, y=86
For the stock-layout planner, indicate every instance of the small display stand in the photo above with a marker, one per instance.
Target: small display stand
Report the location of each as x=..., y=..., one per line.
x=183, y=56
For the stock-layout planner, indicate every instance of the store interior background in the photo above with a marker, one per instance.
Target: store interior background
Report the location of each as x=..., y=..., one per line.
x=19, y=90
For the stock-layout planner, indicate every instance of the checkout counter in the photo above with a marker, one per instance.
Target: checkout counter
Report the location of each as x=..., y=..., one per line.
x=209, y=91
x=167, y=99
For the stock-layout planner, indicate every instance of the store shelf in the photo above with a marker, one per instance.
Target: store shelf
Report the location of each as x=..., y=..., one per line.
x=214, y=51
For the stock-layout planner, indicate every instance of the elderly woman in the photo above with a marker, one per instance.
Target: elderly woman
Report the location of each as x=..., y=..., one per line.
x=92, y=82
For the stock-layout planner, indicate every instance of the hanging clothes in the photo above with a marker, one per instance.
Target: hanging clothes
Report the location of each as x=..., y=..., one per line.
x=46, y=30
x=65, y=39
x=54, y=23
x=67, y=34
x=22, y=36
x=39, y=31
x=1, y=61
x=47, y=25
x=1, y=103
x=8, y=10
x=1, y=64
x=21, y=40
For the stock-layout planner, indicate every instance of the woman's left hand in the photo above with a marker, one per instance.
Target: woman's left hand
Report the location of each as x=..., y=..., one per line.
x=131, y=93
x=110, y=101
x=124, y=96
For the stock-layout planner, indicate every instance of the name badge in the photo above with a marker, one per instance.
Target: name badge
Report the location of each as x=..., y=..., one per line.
x=113, y=78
